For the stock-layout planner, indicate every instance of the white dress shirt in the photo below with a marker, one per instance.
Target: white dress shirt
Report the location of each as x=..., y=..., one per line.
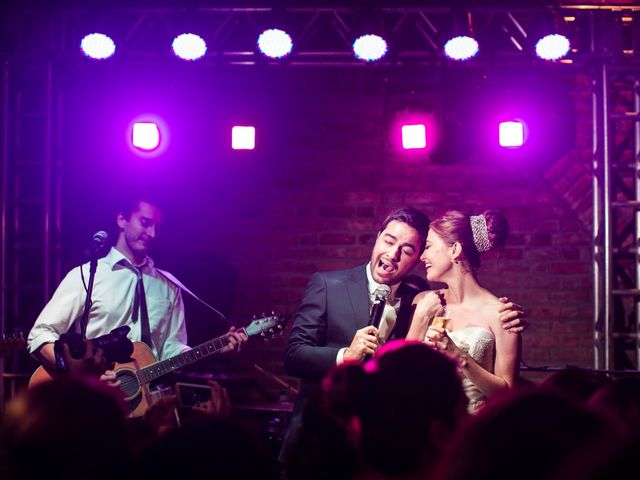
x=113, y=295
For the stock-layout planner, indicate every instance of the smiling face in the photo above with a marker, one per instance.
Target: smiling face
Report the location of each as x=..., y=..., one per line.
x=138, y=231
x=395, y=253
x=437, y=257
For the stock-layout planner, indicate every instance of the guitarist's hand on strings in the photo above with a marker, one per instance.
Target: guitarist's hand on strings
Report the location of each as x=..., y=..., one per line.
x=236, y=339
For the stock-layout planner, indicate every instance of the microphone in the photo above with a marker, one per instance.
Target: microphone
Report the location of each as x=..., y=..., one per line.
x=381, y=295
x=97, y=242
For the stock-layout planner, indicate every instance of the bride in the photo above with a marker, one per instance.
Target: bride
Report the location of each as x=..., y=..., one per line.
x=467, y=329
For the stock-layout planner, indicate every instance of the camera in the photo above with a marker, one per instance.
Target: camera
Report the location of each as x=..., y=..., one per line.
x=192, y=394
x=115, y=344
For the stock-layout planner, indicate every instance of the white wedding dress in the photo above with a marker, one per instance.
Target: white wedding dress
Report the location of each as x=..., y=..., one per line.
x=480, y=344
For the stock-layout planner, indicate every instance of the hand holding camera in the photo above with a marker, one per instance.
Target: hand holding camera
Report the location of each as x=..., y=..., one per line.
x=81, y=356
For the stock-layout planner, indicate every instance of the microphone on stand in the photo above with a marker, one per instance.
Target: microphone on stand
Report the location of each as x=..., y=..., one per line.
x=381, y=294
x=97, y=242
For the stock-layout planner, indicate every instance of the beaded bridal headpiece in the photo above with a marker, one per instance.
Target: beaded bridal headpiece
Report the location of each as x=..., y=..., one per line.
x=480, y=234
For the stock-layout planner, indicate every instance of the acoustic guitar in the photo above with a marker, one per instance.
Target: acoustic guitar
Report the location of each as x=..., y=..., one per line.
x=135, y=376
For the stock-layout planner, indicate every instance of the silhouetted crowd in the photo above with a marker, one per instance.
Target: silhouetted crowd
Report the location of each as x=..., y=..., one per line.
x=402, y=415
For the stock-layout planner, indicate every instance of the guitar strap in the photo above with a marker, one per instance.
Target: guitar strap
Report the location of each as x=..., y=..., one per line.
x=181, y=286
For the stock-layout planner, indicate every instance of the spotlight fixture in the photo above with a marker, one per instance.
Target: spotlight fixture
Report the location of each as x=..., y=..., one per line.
x=189, y=46
x=145, y=136
x=414, y=137
x=461, y=48
x=511, y=134
x=275, y=43
x=97, y=46
x=370, y=48
x=243, y=138
x=552, y=47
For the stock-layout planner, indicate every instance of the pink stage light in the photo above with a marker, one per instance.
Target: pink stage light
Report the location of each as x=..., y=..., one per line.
x=145, y=136
x=243, y=138
x=414, y=136
x=511, y=134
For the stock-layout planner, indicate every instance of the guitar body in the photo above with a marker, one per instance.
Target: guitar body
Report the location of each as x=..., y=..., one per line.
x=135, y=376
x=136, y=394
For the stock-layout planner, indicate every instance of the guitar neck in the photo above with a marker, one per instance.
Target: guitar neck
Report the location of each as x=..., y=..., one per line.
x=158, y=369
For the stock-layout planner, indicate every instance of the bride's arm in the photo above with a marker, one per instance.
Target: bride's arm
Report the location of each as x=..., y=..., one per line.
x=506, y=363
x=425, y=306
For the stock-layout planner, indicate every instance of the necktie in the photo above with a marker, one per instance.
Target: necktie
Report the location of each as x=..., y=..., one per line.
x=140, y=309
x=389, y=316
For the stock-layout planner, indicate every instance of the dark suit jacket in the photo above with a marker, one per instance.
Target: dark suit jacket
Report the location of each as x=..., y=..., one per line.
x=334, y=306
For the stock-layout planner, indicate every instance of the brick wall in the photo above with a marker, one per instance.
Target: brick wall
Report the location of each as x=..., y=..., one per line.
x=317, y=203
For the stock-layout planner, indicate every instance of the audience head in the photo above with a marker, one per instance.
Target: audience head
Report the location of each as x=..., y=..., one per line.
x=416, y=403
x=576, y=383
x=530, y=435
x=619, y=401
x=76, y=428
x=211, y=447
x=327, y=446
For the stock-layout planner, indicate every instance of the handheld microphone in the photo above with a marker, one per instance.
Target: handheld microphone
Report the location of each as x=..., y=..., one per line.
x=381, y=295
x=97, y=242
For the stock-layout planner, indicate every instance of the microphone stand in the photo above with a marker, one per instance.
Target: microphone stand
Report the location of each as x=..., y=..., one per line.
x=84, y=320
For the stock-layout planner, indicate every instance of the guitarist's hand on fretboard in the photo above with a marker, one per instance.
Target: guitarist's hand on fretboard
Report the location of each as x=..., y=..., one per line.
x=236, y=339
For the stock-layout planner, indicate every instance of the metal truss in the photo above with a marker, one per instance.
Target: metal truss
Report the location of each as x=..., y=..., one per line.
x=324, y=36
x=617, y=217
x=605, y=45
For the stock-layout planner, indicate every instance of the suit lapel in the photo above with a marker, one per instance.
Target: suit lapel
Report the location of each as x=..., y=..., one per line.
x=359, y=296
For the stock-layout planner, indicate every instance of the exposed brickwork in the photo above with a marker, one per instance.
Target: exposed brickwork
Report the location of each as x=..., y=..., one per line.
x=319, y=210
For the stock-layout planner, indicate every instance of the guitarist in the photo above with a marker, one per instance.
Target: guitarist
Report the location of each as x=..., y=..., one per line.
x=118, y=299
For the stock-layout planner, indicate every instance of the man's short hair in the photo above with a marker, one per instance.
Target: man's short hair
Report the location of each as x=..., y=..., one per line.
x=412, y=217
x=128, y=205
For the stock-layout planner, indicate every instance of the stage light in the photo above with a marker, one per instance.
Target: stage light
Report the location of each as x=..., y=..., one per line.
x=552, y=47
x=461, y=48
x=369, y=48
x=97, y=46
x=243, y=138
x=511, y=134
x=189, y=46
x=275, y=43
x=414, y=136
x=145, y=136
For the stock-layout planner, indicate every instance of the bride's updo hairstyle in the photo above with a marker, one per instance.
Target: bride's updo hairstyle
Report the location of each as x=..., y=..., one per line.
x=475, y=233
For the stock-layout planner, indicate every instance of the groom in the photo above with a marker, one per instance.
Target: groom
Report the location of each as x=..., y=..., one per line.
x=332, y=323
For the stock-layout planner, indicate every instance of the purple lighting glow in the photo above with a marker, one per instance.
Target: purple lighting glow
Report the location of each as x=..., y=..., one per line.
x=370, y=48
x=243, y=138
x=97, y=46
x=414, y=136
x=275, y=43
x=145, y=136
x=189, y=46
x=511, y=134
